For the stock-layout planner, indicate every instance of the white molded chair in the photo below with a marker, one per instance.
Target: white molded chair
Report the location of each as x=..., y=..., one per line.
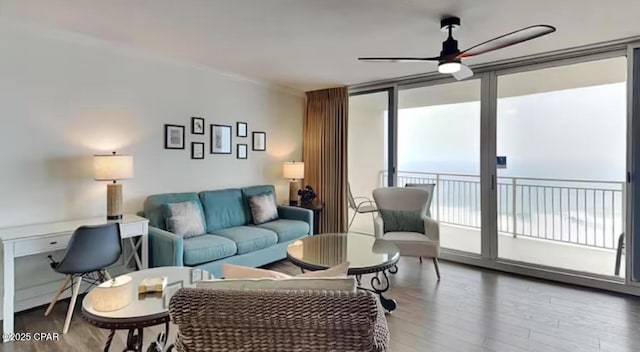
x=411, y=243
x=360, y=207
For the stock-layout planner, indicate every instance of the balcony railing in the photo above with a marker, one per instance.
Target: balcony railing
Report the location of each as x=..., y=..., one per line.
x=588, y=213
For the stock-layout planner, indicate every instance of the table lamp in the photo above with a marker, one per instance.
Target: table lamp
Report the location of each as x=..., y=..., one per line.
x=112, y=168
x=294, y=171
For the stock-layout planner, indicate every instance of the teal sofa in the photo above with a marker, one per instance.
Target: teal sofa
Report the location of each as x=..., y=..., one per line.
x=231, y=236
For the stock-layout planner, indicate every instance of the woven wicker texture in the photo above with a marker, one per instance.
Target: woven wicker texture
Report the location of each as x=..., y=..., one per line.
x=260, y=320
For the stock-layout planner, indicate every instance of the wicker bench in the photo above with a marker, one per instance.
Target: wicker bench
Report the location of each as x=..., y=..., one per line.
x=278, y=320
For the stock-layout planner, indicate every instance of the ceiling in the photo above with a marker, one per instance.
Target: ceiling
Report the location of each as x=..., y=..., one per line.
x=313, y=44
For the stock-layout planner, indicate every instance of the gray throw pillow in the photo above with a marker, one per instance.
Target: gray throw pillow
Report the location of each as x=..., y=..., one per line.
x=263, y=208
x=402, y=220
x=184, y=219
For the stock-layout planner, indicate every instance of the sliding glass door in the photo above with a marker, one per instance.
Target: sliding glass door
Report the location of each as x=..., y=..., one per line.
x=528, y=162
x=439, y=144
x=561, y=145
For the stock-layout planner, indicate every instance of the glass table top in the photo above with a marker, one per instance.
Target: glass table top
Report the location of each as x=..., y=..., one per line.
x=330, y=249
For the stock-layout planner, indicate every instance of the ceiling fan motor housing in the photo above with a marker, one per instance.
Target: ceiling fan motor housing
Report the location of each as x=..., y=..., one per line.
x=449, y=48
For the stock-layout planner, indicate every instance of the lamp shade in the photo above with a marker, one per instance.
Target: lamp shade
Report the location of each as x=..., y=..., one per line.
x=293, y=170
x=112, y=167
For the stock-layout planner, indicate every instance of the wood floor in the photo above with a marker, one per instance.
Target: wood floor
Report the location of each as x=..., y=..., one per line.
x=469, y=310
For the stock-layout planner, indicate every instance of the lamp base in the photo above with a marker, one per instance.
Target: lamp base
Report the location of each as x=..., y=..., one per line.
x=294, y=186
x=114, y=201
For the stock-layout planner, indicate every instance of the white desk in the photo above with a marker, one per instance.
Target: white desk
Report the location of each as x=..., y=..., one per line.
x=43, y=238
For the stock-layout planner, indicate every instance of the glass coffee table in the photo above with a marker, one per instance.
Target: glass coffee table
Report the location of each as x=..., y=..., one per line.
x=145, y=309
x=365, y=254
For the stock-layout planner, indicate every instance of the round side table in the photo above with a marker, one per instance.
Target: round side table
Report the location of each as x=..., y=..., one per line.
x=145, y=309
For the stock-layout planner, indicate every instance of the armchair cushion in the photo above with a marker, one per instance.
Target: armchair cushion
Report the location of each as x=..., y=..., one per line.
x=402, y=220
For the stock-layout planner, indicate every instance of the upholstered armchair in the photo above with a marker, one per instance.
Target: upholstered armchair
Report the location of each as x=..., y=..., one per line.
x=403, y=220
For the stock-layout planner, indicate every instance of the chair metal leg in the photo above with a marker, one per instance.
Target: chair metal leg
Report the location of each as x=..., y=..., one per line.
x=106, y=275
x=435, y=264
x=420, y=260
x=55, y=298
x=352, y=218
x=72, y=304
x=619, y=254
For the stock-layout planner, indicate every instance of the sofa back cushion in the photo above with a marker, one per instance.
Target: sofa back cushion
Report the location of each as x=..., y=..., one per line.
x=223, y=209
x=249, y=192
x=153, y=209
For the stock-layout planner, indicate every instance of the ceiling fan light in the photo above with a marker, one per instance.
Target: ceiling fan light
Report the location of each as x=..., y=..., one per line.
x=449, y=67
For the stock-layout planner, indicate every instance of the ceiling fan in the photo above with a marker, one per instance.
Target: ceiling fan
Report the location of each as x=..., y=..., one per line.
x=450, y=59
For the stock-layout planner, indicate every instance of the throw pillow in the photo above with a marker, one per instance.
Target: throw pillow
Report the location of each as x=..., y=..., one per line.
x=402, y=220
x=184, y=219
x=231, y=271
x=294, y=283
x=339, y=270
x=263, y=208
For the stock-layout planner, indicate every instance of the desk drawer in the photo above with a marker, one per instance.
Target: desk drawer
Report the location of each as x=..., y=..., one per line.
x=41, y=245
x=131, y=229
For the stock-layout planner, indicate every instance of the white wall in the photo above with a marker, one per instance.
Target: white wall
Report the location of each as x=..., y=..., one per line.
x=367, y=155
x=65, y=97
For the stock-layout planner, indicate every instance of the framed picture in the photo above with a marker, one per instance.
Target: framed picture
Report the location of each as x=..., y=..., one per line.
x=241, y=129
x=220, y=139
x=197, y=125
x=197, y=150
x=259, y=141
x=241, y=151
x=173, y=137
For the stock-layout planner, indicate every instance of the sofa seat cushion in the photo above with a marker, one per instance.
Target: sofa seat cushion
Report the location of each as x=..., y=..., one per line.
x=207, y=248
x=287, y=230
x=249, y=238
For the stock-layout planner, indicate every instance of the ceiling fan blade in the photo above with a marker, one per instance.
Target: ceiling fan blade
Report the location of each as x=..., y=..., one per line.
x=508, y=39
x=464, y=73
x=398, y=59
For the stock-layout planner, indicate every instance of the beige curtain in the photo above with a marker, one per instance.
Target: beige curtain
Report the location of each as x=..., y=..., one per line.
x=325, y=154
